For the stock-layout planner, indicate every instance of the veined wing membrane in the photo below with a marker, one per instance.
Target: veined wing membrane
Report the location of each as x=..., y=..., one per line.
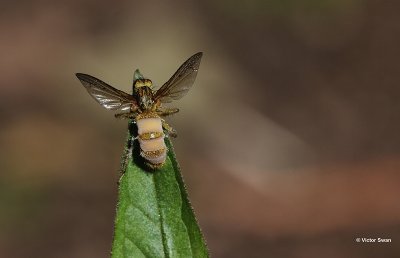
x=106, y=95
x=180, y=83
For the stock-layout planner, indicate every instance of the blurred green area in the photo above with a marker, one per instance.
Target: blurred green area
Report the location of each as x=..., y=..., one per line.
x=293, y=116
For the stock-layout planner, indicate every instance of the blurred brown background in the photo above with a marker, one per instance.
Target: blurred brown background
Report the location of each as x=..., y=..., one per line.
x=289, y=140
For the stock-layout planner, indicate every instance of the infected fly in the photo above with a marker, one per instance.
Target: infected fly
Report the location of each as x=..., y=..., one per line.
x=144, y=106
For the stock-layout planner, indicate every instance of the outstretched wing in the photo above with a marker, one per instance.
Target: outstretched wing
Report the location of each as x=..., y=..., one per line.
x=106, y=95
x=180, y=83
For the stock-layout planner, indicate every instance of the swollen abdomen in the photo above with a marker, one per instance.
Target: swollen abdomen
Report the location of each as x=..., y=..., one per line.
x=151, y=139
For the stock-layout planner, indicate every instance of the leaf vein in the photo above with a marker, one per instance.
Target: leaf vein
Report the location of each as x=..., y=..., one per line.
x=163, y=237
x=137, y=246
x=146, y=215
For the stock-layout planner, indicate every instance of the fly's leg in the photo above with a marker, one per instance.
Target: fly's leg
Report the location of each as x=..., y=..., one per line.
x=171, y=131
x=129, y=115
x=167, y=111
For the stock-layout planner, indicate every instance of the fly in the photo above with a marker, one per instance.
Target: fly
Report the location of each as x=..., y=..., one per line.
x=144, y=106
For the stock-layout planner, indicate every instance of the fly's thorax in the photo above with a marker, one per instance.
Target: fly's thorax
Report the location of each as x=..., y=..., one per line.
x=151, y=138
x=144, y=93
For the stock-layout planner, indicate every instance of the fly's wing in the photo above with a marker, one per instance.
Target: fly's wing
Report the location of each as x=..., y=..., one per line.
x=106, y=95
x=180, y=83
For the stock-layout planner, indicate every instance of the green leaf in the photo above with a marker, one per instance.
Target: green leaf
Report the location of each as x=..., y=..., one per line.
x=154, y=216
x=137, y=75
